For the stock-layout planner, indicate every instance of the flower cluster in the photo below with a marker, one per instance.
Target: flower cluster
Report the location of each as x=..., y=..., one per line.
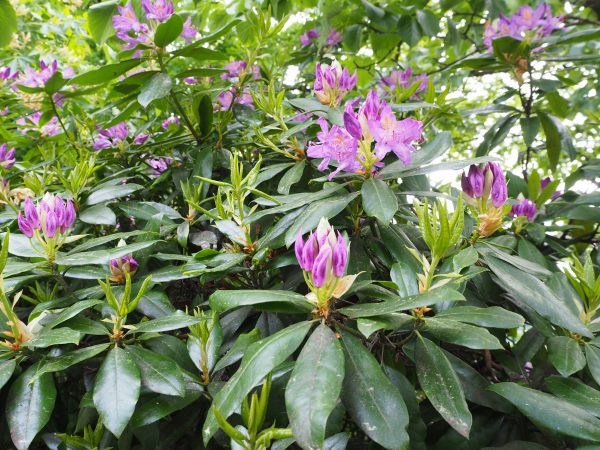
x=333, y=38
x=482, y=186
x=7, y=157
x=352, y=146
x=171, y=120
x=405, y=79
x=120, y=267
x=133, y=32
x=7, y=74
x=332, y=82
x=323, y=258
x=111, y=137
x=527, y=23
x=525, y=208
x=235, y=71
x=51, y=217
x=32, y=123
x=159, y=165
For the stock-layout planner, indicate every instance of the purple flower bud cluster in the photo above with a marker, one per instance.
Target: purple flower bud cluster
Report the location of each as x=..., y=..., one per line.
x=323, y=256
x=332, y=82
x=7, y=157
x=525, y=208
x=526, y=23
x=171, y=120
x=235, y=69
x=226, y=98
x=480, y=183
x=51, y=216
x=334, y=38
x=405, y=79
x=375, y=122
x=35, y=78
x=7, y=74
x=121, y=266
x=133, y=32
x=309, y=37
x=32, y=123
x=111, y=137
x=159, y=165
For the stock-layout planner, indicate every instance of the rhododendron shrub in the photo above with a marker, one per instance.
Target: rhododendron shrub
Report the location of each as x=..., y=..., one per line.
x=313, y=225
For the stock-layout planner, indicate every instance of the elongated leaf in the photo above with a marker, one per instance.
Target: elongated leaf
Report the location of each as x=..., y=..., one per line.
x=592, y=355
x=159, y=86
x=159, y=373
x=105, y=73
x=8, y=22
x=7, y=367
x=237, y=351
x=405, y=279
x=492, y=317
x=98, y=215
x=262, y=357
x=575, y=392
x=111, y=192
x=72, y=311
x=378, y=200
x=548, y=411
x=414, y=301
x=441, y=385
x=69, y=359
x=566, y=355
x=100, y=20
x=284, y=301
x=533, y=292
x=462, y=334
x=168, y=31
x=167, y=323
x=56, y=336
x=314, y=387
x=371, y=399
x=29, y=406
x=116, y=390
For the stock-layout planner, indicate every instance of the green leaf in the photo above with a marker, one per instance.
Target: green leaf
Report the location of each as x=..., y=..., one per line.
x=553, y=138
x=378, y=200
x=531, y=291
x=7, y=367
x=29, y=406
x=314, y=387
x=576, y=392
x=429, y=298
x=205, y=114
x=492, y=317
x=310, y=217
x=496, y=134
x=98, y=215
x=291, y=177
x=239, y=348
x=429, y=151
x=66, y=360
x=592, y=355
x=550, y=412
x=465, y=258
x=116, y=390
x=157, y=408
x=405, y=278
x=111, y=192
x=428, y=22
x=56, y=336
x=101, y=256
x=99, y=20
x=8, y=22
x=462, y=334
x=201, y=53
x=283, y=301
x=260, y=359
x=566, y=355
x=167, y=323
x=105, y=73
x=168, y=31
x=159, y=373
x=157, y=87
x=373, y=402
x=440, y=383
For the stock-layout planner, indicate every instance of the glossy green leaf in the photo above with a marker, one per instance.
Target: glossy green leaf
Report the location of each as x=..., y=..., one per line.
x=492, y=317
x=158, y=373
x=111, y=192
x=576, y=392
x=7, y=367
x=116, y=390
x=29, y=406
x=566, y=355
x=284, y=301
x=459, y=333
x=99, y=20
x=371, y=399
x=314, y=387
x=66, y=360
x=98, y=215
x=168, y=31
x=105, y=73
x=159, y=86
x=551, y=412
x=56, y=336
x=440, y=383
x=379, y=200
x=167, y=323
x=260, y=359
x=592, y=355
x=405, y=279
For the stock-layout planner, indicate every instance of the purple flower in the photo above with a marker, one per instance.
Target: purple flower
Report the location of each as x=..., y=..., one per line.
x=351, y=122
x=160, y=10
x=189, y=31
x=5, y=74
x=321, y=266
x=172, y=120
x=234, y=70
x=499, y=189
x=159, y=165
x=50, y=216
x=121, y=266
x=472, y=184
x=406, y=80
x=111, y=137
x=37, y=78
x=340, y=256
x=395, y=135
x=335, y=144
x=32, y=123
x=7, y=157
x=226, y=98
x=527, y=23
x=334, y=38
x=332, y=82
x=127, y=21
x=140, y=139
x=525, y=208
x=309, y=37
x=190, y=80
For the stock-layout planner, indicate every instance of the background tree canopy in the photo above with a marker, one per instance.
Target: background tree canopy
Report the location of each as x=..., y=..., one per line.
x=299, y=224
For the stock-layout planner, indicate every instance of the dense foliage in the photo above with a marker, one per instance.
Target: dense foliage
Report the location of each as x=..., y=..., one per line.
x=299, y=224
